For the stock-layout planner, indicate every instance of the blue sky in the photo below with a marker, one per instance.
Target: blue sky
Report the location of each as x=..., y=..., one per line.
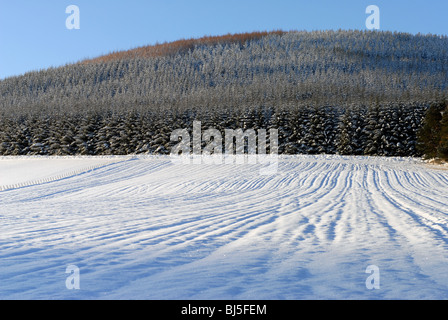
x=33, y=34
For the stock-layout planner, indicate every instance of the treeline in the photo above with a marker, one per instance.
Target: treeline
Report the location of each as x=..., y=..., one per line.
x=383, y=130
x=181, y=46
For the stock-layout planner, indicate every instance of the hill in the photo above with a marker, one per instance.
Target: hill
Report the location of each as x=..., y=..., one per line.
x=299, y=82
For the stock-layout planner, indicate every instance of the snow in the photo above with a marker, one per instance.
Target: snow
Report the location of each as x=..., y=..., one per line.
x=142, y=227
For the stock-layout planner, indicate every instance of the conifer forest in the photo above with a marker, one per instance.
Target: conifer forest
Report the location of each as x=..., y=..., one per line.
x=327, y=92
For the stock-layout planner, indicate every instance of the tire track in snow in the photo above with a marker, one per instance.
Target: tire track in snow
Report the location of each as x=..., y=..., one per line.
x=417, y=241
x=53, y=178
x=165, y=226
x=424, y=208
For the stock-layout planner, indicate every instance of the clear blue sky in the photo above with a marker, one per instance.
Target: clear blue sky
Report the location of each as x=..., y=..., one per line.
x=33, y=34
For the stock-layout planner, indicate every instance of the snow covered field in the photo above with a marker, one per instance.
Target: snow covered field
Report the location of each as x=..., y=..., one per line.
x=145, y=228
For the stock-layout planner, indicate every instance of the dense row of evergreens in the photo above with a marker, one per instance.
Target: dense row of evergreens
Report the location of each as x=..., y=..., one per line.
x=388, y=130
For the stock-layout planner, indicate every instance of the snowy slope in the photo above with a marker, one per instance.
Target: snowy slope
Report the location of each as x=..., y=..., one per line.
x=24, y=171
x=145, y=228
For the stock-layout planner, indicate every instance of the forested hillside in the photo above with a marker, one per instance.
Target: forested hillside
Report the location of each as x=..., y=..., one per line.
x=347, y=92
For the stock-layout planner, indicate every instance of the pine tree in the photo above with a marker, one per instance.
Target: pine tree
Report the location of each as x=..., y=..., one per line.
x=345, y=134
x=372, y=131
x=429, y=135
x=442, y=149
